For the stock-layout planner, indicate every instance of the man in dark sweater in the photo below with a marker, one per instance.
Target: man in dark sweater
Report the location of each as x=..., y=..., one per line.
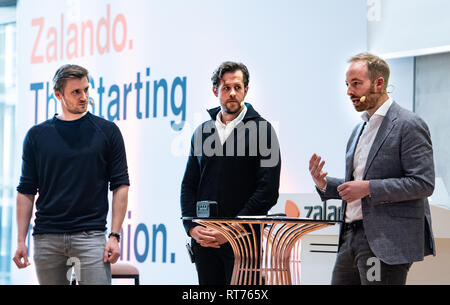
x=69, y=160
x=235, y=161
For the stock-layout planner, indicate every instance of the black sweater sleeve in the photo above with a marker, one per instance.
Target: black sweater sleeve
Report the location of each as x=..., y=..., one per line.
x=117, y=165
x=28, y=183
x=189, y=187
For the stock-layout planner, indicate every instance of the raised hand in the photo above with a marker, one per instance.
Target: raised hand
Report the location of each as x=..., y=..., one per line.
x=315, y=169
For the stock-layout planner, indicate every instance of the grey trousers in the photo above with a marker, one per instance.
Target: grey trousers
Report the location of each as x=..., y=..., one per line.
x=357, y=265
x=56, y=254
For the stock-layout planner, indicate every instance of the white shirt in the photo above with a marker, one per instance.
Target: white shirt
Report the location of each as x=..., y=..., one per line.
x=373, y=123
x=225, y=129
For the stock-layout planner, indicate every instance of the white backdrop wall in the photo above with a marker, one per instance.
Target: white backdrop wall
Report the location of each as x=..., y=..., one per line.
x=404, y=28
x=401, y=81
x=296, y=52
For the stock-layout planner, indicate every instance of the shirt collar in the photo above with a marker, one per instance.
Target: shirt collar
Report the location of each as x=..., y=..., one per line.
x=380, y=111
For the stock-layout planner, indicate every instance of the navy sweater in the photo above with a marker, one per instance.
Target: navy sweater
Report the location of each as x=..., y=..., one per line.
x=70, y=164
x=234, y=174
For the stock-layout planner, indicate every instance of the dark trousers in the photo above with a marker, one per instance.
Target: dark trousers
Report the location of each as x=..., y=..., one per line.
x=357, y=265
x=214, y=266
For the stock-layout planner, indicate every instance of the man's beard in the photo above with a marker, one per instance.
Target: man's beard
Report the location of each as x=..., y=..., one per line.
x=229, y=110
x=77, y=110
x=371, y=100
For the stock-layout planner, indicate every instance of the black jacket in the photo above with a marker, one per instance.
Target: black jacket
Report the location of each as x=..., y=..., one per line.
x=243, y=175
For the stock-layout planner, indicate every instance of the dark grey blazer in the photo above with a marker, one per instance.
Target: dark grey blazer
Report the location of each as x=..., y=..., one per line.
x=400, y=167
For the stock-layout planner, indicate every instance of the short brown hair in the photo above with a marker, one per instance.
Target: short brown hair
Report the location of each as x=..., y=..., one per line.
x=229, y=66
x=66, y=72
x=376, y=66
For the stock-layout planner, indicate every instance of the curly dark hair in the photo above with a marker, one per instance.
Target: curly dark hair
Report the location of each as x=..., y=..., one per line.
x=229, y=66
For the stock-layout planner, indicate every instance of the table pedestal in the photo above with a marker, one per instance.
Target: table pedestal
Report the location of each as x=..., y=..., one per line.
x=266, y=250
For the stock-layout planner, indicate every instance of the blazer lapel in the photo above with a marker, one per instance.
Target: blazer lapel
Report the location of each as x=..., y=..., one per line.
x=383, y=132
x=349, y=162
x=351, y=152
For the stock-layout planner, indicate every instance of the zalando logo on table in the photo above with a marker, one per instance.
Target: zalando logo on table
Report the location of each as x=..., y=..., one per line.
x=72, y=40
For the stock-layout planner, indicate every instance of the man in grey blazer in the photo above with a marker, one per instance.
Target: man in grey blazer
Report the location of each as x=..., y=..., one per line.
x=389, y=175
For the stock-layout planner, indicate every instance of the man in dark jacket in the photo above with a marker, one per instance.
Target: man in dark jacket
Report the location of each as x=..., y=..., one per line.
x=235, y=161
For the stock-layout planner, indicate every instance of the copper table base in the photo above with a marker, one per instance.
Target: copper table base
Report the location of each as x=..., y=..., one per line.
x=266, y=249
